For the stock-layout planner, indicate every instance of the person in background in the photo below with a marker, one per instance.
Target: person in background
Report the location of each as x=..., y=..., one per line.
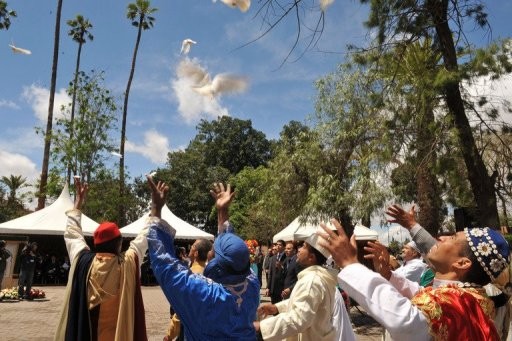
x=292, y=269
x=266, y=262
x=103, y=298
x=4, y=256
x=277, y=272
x=29, y=259
x=413, y=265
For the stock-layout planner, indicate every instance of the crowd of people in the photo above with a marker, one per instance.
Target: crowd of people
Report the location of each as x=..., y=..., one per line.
x=214, y=290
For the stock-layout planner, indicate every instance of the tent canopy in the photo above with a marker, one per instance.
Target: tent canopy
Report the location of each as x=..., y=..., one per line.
x=297, y=231
x=183, y=229
x=51, y=220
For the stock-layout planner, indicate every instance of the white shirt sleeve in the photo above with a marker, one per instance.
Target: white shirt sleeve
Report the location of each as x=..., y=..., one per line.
x=341, y=320
x=384, y=303
x=73, y=236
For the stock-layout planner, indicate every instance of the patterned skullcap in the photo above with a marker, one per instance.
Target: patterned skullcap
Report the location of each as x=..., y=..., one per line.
x=490, y=248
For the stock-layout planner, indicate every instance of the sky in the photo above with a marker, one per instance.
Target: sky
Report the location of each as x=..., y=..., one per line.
x=163, y=111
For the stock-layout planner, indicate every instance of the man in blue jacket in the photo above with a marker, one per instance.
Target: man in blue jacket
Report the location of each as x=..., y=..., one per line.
x=222, y=303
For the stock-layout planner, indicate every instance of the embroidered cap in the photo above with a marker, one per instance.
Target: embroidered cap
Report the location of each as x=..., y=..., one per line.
x=106, y=232
x=490, y=248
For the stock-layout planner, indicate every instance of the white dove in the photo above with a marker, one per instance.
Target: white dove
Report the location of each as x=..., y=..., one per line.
x=185, y=45
x=222, y=83
x=19, y=50
x=188, y=69
x=243, y=5
x=325, y=3
x=116, y=154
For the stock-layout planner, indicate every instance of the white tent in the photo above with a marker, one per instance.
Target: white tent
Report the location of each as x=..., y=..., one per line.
x=297, y=231
x=183, y=229
x=51, y=220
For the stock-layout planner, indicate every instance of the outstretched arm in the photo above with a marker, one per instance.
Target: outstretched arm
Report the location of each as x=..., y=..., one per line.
x=73, y=236
x=223, y=198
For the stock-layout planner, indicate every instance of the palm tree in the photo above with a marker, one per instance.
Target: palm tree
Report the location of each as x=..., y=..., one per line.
x=13, y=183
x=140, y=15
x=47, y=139
x=79, y=33
x=5, y=16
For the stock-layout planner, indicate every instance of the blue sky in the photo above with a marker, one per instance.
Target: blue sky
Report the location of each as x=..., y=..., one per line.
x=160, y=117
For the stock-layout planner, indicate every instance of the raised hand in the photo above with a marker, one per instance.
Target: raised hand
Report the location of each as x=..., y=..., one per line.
x=158, y=196
x=223, y=197
x=379, y=254
x=81, y=192
x=400, y=216
x=342, y=249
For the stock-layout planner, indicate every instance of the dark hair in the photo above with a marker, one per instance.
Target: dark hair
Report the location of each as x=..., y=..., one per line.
x=320, y=258
x=2, y=243
x=476, y=273
x=112, y=246
x=202, y=247
x=280, y=241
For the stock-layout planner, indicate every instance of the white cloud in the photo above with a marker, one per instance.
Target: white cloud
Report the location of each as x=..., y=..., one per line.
x=8, y=104
x=17, y=164
x=193, y=106
x=155, y=147
x=38, y=97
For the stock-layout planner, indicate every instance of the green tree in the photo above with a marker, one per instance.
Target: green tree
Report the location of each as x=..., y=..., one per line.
x=13, y=183
x=97, y=110
x=79, y=32
x=5, y=16
x=405, y=22
x=49, y=124
x=233, y=144
x=140, y=15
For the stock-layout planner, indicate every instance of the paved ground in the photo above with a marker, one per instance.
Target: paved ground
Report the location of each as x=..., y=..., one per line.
x=37, y=320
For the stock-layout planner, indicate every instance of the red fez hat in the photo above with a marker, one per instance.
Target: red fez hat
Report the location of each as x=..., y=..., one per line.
x=106, y=232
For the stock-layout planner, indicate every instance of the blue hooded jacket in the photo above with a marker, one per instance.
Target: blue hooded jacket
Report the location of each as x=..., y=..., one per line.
x=221, y=307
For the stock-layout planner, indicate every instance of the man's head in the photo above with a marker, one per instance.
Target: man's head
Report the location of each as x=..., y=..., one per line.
x=311, y=252
x=231, y=264
x=476, y=255
x=107, y=238
x=199, y=250
x=410, y=251
x=280, y=246
x=2, y=244
x=289, y=249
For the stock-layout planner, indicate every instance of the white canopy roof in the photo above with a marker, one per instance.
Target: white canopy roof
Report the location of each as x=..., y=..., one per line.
x=297, y=231
x=183, y=229
x=51, y=220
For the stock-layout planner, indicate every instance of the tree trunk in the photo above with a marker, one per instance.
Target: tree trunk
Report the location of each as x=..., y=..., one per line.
x=47, y=139
x=482, y=184
x=73, y=103
x=121, y=206
x=427, y=187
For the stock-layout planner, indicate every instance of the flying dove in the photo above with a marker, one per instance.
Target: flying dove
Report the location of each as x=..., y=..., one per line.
x=243, y=5
x=116, y=154
x=19, y=50
x=188, y=69
x=222, y=83
x=325, y=3
x=185, y=46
